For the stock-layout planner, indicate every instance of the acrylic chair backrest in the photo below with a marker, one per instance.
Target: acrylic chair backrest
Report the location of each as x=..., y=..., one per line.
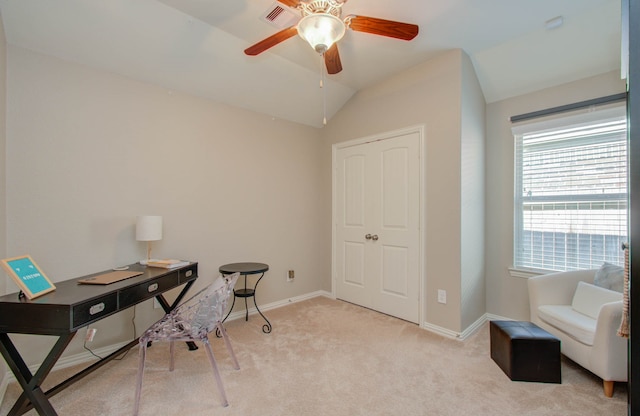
x=203, y=316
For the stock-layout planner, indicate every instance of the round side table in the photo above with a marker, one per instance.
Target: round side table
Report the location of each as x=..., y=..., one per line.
x=246, y=269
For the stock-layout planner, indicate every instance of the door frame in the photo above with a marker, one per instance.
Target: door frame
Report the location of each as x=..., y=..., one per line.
x=422, y=202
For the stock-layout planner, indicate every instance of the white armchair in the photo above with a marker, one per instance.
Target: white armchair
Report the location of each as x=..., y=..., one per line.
x=585, y=318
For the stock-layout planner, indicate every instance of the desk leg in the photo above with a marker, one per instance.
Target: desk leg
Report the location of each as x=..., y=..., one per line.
x=32, y=393
x=168, y=308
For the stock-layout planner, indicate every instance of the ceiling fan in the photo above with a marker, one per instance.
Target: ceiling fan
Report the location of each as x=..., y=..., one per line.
x=322, y=26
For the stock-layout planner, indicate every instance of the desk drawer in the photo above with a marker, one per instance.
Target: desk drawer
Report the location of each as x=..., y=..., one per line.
x=94, y=309
x=188, y=273
x=148, y=289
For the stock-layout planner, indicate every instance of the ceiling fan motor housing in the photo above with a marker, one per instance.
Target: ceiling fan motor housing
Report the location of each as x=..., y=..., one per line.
x=321, y=25
x=331, y=7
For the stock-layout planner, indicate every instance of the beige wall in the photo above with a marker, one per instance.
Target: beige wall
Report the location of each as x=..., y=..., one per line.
x=429, y=94
x=507, y=296
x=90, y=150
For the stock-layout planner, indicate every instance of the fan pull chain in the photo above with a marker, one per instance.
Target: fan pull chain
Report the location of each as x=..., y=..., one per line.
x=324, y=91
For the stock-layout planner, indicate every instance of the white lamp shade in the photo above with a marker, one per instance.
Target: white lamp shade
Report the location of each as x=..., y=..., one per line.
x=321, y=30
x=149, y=228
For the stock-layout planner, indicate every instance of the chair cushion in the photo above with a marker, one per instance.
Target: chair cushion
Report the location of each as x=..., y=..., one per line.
x=588, y=299
x=575, y=324
x=610, y=276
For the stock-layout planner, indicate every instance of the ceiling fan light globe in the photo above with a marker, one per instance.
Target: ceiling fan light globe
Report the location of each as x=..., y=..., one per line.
x=321, y=30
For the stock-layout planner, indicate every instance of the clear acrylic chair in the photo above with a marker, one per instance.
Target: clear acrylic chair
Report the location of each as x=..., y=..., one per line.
x=193, y=320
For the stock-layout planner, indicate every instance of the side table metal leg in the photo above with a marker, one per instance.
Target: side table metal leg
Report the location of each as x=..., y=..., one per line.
x=266, y=328
x=246, y=308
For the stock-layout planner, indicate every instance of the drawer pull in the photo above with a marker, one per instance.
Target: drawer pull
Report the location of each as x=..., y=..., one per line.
x=188, y=273
x=152, y=288
x=97, y=308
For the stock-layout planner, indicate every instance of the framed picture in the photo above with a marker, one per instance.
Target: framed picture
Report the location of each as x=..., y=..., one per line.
x=28, y=276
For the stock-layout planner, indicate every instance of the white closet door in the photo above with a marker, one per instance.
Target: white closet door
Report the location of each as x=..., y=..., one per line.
x=377, y=225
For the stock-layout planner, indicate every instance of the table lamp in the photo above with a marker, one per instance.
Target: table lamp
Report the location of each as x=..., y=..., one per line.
x=148, y=228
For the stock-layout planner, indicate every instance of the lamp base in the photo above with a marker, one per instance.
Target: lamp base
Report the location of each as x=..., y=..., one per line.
x=145, y=261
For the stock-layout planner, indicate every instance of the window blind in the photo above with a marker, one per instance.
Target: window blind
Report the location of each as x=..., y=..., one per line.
x=571, y=193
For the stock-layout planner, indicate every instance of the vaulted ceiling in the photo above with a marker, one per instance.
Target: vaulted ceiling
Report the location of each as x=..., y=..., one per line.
x=196, y=46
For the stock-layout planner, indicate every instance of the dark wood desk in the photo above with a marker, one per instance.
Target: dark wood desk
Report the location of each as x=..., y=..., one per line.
x=73, y=306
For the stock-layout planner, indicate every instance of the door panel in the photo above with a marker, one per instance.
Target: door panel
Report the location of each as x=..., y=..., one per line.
x=398, y=232
x=394, y=271
x=350, y=253
x=354, y=171
x=354, y=263
x=394, y=188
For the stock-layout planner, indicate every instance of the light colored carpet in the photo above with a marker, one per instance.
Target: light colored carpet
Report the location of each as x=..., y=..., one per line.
x=327, y=357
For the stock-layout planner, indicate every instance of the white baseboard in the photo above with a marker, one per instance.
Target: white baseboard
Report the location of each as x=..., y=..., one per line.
x=492, y=317
x=440, y=330
x=279, y=304
x=470, y=330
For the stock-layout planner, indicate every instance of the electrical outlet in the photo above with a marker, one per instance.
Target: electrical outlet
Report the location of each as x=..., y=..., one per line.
x=291, y=275
x=442, y=296
x=91, y=332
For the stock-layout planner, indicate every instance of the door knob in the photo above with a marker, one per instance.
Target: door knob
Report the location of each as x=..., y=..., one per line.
x=368, y=237
x=374, y=237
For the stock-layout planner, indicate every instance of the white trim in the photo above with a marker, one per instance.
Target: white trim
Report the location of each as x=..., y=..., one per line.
x=422, y=201
x=474, y=327
x=418, y=128
x=523, y=273
x=281, y=303
x=492, y=317
x=469, y=331
x=423, y=224
x=440, y=330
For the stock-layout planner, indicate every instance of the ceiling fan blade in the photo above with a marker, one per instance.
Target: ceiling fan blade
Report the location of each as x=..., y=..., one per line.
x=332, y=60
x=389, y=28
x=290, y=3
x=271, y=41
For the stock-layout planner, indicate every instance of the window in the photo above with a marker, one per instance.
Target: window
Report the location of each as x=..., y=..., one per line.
x=571, y=191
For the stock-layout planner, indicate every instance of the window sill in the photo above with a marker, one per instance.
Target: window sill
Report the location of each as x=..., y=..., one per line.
x=524, y=274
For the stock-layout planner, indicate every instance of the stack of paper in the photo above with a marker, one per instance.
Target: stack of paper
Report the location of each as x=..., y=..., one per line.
x=167, y=263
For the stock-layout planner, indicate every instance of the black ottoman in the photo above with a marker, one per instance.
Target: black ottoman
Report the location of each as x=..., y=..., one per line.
x=525, y=352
